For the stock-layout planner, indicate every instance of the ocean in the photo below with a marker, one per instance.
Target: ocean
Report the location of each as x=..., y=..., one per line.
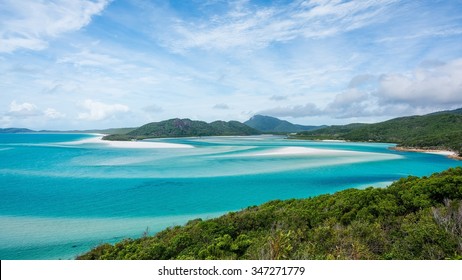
x=63, y=194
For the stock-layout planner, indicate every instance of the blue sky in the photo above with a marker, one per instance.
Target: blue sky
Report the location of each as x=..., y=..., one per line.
x=81, y=64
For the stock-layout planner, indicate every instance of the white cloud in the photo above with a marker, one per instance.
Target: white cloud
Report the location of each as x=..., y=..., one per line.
x=99, y=111
x=30, y=24
x=433, y=86
x=256, y=28
x=29, y=110
x=23, y=110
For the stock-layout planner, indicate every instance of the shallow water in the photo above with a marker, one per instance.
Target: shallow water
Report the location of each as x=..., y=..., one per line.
x=61, y=196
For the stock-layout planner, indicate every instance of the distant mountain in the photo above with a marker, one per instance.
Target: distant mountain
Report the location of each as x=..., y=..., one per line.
x=185, y=128
x=271, y=124
x=15, y=130
x=103, y=131
x=440, y=130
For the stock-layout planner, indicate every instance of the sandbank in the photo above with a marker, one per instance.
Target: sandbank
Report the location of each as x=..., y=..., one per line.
x=131, y=144
x=449, y=154
x=335, y=141
x=289, y=151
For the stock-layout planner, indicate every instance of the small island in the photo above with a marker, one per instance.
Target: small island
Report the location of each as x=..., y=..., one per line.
x=184, y=128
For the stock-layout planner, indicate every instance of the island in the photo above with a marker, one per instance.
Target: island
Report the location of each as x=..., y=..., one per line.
x=184, y=128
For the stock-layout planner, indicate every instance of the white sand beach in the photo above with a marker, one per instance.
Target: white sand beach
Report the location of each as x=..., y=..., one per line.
x=130, y=144
x=449, y=154
x=443, y=153
x=301, y=151
x=334, y=141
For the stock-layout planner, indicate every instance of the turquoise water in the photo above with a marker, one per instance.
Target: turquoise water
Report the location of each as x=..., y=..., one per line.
x=61, y=196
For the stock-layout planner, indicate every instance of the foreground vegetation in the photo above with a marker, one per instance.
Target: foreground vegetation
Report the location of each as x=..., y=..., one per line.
x=434, y=131
x=414, y=218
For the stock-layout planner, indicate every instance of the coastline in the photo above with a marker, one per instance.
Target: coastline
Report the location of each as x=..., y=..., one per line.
x=447, y=153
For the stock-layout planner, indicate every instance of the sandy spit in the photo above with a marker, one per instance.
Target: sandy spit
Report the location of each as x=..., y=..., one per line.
x=131, y=144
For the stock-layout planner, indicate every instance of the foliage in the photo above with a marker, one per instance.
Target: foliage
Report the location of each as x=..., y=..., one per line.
x=414, y=218
x=119, y=137
x=433, y=131
x=184, y=128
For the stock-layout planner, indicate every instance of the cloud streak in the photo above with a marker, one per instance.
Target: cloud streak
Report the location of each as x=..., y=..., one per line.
x=30, y=24
x=257, y=28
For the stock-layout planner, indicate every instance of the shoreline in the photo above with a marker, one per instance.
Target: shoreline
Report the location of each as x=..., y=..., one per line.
x=447, y=153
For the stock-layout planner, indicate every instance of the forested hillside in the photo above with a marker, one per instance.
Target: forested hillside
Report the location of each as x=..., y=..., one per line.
x=414, y=218
x=185, y=128
x=433, y=131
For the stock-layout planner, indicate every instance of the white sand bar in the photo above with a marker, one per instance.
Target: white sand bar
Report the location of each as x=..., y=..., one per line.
x=443, y=153
x=301, y=151
x=334, y=141
x=131, y=144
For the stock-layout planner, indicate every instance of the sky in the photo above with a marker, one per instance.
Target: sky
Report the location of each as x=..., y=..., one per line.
x=88, y=64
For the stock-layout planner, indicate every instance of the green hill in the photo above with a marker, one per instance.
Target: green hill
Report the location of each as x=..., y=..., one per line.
x=185, y=128
x=275, y=125
x=414, y=218
x=441, y=130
